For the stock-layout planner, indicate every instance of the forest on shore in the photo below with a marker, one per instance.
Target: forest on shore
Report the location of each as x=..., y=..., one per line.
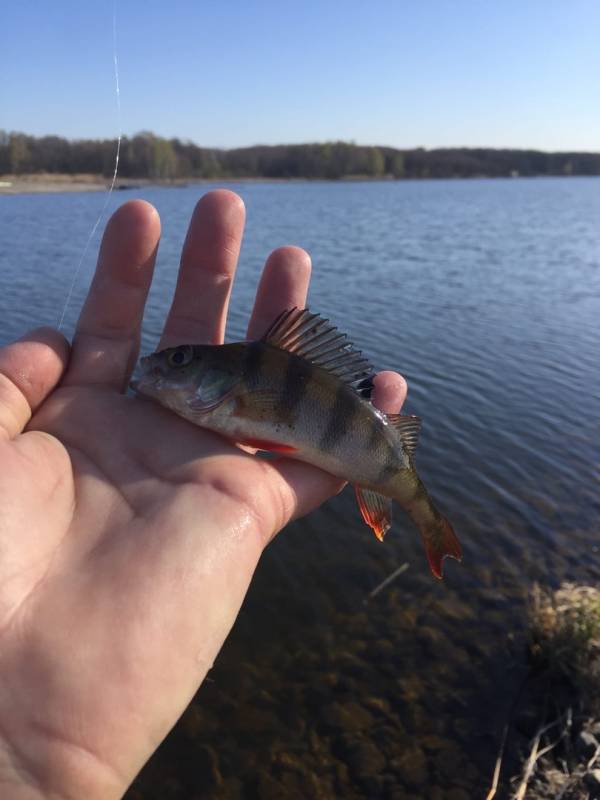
x=147, y=156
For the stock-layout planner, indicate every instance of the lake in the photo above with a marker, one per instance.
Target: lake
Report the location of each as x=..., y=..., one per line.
x=485, y=294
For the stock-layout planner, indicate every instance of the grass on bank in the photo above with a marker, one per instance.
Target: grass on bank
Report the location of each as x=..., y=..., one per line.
x=565, y=640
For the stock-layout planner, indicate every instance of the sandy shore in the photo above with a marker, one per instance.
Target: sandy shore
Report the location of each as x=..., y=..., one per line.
x=45, y=182
x=50, y=182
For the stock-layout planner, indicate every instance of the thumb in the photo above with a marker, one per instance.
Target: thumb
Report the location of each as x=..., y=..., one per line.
x=30, y=369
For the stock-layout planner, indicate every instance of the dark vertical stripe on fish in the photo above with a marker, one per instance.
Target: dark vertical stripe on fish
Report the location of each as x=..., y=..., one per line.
x=297, y=376
x=253, y=358
x=382, y=450
x=375, y=434
x=389, y=467
x=340, y=418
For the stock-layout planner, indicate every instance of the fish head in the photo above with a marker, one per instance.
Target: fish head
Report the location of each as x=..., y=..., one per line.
x=189, y=379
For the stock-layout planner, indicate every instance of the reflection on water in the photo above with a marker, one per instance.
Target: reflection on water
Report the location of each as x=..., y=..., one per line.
x=486, y=295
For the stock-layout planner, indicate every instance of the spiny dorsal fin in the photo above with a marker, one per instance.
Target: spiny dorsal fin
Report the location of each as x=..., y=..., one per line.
x=408, y=427
x=315, y=339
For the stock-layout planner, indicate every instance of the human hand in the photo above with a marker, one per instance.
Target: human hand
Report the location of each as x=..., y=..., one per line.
x=128, y=537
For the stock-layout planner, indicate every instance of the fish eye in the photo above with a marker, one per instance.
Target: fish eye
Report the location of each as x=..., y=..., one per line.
x=181, y=356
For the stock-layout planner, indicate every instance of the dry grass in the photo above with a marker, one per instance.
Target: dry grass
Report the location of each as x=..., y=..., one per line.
x=565, y=639
x=564, y=686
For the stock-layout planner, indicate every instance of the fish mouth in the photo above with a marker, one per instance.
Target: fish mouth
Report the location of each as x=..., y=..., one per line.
x=146, y=377
x=146, y=384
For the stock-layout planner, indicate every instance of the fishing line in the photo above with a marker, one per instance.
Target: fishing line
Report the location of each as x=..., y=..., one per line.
x=114, y=177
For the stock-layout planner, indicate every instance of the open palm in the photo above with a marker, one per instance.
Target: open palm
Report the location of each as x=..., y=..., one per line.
x=128, y=537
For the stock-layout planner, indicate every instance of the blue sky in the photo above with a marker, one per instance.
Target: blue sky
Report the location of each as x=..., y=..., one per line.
x=512, y=73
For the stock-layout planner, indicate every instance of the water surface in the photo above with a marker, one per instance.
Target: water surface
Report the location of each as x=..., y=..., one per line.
x=486, y=296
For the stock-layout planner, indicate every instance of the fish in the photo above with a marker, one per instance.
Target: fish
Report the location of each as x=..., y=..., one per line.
x=303, y=390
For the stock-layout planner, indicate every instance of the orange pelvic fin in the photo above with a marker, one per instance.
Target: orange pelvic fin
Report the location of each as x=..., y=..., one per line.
x=274, y=447
x=376, y=510
x=440, y=542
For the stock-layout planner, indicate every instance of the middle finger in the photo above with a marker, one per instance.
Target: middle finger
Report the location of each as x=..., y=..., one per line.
x=208, y=262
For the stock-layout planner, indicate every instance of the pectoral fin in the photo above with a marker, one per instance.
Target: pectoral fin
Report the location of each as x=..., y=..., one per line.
x=376, y=510
x=199, y=406
x=260, y=404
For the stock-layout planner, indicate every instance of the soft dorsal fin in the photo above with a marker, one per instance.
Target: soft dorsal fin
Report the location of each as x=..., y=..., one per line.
x=312, y=337
x=409, y=427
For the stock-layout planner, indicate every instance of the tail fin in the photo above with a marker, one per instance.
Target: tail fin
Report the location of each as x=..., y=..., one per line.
x=440, y=541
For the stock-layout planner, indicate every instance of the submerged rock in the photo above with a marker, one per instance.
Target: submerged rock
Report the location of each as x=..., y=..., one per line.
x=457, y=794
x=366, y=759
x=449, y=762
x=268, y=788
x=207, y=764
x=347, y=717
x=411, y=767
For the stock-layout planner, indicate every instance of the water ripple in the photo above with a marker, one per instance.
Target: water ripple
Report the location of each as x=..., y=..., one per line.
x=486, y=295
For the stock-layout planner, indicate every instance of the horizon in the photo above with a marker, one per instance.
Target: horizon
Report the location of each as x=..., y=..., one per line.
x=512, y=76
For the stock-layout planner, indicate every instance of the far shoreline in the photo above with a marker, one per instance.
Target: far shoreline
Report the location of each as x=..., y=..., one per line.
x=47, y=183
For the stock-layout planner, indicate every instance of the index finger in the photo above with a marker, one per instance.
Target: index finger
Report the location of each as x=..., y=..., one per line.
x=106, y=342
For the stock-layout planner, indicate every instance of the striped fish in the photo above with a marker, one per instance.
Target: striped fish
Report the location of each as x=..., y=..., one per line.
x=303, y=390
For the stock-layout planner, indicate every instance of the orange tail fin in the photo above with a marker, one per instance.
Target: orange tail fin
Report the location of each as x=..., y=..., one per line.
x=440, y=541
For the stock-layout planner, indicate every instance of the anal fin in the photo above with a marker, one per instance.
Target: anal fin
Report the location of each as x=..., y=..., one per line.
x=376, y=510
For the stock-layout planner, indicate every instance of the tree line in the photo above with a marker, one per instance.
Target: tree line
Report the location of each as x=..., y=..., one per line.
x=153, y=157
